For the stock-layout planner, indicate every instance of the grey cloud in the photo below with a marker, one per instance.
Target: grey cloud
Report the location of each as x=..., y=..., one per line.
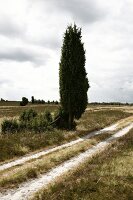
x=85, y=11
x=110, y=94
x=109, y=43
x=107, y=86
x=23, y=55
x=9, y=28
x=51, y=42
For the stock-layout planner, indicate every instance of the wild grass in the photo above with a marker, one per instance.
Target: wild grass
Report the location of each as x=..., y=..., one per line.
x=9, y=103
x=29, y=120
x=15, y=145
x=99, y=119
x=19, y=144
x=108, y=175
x=32, y=169
x=12, y=111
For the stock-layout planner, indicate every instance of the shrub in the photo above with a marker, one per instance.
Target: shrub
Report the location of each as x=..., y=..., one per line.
x=24, y=101
x=28, y=121
x=28, y=115
x=48, y=116
x=11, y=126
x=39, y=124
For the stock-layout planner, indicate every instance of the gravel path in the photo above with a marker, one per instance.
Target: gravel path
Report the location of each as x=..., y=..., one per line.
x=45, y=152
x=27, y=189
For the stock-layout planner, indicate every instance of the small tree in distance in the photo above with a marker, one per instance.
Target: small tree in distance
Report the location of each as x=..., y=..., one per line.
x=32, y=100
x=72, y=75
x=24, y=101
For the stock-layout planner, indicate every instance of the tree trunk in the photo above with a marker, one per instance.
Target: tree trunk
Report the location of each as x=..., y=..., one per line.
x=70, y=120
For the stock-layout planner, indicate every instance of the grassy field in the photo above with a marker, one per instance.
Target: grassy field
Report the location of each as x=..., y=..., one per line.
x=105, y=176
x=32, y=169
x=101, y=177
x=15, y=145
x=12, y=108
x=9, y=103
x=16, y=110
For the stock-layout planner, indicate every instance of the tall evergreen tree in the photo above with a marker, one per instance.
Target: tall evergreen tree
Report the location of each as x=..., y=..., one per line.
x=73, y=77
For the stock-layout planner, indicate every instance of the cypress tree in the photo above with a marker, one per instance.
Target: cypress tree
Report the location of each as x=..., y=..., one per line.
x=72, y=75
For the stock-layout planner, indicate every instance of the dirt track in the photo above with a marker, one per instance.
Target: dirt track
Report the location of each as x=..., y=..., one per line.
x=31, y=186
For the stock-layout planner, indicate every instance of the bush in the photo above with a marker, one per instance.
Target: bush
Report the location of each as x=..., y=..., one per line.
x=39, y=124
x=28, y=121
x=28, y=115
x=24, y=101
x=10, y=126
x=48, y=116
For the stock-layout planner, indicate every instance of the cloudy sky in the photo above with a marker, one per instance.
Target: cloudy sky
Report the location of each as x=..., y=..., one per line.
x=31, y=33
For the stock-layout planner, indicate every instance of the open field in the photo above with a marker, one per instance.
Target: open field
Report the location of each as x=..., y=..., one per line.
x=9, y=103
x=13, y=111
x=88, y=136
x=114, y=107
x=106, y=176
x=27, y=189
x=35, y=167
x=15, y=145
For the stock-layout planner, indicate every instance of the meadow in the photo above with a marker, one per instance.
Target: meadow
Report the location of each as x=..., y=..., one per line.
x=15, y=145
x=108, y=175
x=103, y=176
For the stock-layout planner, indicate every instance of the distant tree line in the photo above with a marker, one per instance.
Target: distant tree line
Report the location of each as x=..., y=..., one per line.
x=3, y=100
x=25, y=101
x=38, y=101
x=111, y=103
x=41, y=101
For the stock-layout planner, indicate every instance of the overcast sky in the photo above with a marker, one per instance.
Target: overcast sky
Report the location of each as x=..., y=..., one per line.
x=31, y=33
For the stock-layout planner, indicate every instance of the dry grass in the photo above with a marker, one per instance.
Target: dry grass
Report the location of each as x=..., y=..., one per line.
x=16, y=145
x=9, y=103
x=106, y=176
x=125, y=122
x=102, y=117
x=123, y=108
x=32, y=169
x=12, y=111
